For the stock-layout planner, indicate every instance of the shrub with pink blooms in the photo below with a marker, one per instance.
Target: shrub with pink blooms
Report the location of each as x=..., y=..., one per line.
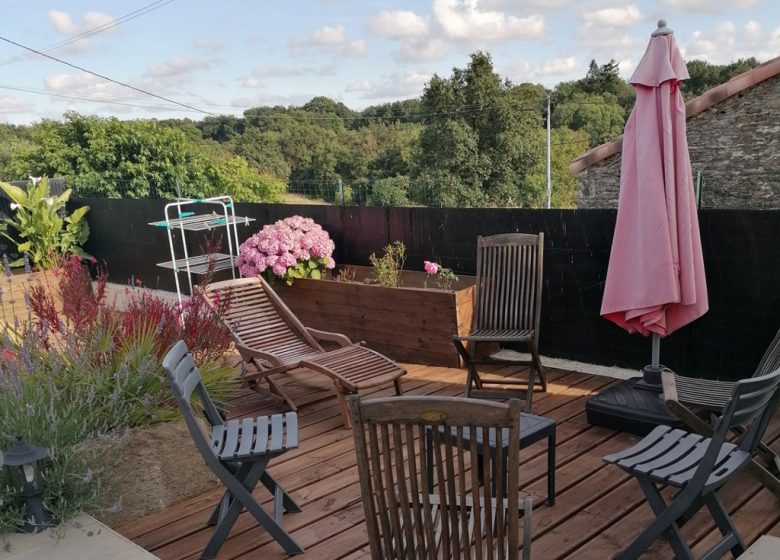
x=295, y=247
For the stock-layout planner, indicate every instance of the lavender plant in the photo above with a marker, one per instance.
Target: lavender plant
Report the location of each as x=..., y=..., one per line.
x=78, y=376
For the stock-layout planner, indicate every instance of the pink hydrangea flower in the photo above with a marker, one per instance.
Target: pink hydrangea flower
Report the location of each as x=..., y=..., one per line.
x=282, y=245
x=431, y=268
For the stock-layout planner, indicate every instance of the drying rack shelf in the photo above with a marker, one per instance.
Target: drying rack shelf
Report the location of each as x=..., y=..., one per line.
x=202, y=222
x=201, y=263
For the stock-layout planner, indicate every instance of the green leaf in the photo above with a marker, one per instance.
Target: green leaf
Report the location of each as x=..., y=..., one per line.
x=313, y=264
x=77, y=214
x=316, y=274
x=14, y=193
x=24, y=247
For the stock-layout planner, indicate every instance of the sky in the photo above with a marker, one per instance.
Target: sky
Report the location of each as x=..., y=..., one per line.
x=222, y=57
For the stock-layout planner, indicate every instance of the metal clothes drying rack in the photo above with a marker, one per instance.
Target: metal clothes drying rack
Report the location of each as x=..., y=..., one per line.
x=179, y=216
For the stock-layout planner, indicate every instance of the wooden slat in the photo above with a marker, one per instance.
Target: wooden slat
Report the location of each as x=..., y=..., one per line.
x=598, y=509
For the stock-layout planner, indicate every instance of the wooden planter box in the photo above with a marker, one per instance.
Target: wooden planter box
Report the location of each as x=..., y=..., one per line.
x=408, y=324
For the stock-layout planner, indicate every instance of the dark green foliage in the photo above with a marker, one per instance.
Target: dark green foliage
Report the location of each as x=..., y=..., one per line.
x=704, y=76
x=478, y=143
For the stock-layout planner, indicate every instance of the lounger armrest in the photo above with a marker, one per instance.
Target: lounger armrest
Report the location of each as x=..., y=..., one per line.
x=669, y=384
x=248, y=354
x=338, y=338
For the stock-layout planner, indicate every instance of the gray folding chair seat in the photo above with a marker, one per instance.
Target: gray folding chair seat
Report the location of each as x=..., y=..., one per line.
x=698, y=466
x=238, y=451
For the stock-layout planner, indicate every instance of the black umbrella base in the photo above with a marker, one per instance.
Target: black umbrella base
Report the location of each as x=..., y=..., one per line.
x=630, y=407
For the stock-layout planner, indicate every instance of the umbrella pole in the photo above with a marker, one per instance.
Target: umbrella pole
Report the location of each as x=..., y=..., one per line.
x=651, y=375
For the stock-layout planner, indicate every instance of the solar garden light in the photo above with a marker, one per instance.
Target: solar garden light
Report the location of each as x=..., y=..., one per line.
x=24, y=459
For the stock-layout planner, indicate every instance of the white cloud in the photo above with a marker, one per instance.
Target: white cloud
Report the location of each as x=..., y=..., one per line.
x=13, y=105
x=693, y=6
x=175, y=67
x=292, y=72
x=464, y=20
x=293, y=99
x=360, y=86
x=708, y=45
x=251, y=83
x=396, y=85
x=208, y=45
x=535, y=4
x=64, y=25
x=86, y=85
x=398, y=23
x=557, y=66
x=752, y=32
x=422, y=50
x=744, y=4
x=622, y=17
x=520, y=71
x=332, y=39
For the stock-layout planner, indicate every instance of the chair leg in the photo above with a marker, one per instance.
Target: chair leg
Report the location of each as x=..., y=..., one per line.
x=731, y=538
x=537, y=363
x=241, y=489
x=551, y=469
x=343, y=406
x=664, y=524
x=273, y=487
x=397, y=385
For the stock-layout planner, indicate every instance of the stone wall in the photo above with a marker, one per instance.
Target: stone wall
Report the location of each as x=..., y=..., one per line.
x=736, y=146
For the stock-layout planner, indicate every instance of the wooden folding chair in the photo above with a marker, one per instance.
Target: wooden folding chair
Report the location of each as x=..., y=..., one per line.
x=698, y=467
x=238, y=451
x=271, y=340
x=454, y=515
x=507, y=312
x=697, y=401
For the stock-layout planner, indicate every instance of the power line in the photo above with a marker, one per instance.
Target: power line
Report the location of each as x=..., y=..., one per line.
x=101, y=76
x=95, y=30
x=78, y=97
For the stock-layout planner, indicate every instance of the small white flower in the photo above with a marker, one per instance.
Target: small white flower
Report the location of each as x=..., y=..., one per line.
x=50, y=201
x=14, y=206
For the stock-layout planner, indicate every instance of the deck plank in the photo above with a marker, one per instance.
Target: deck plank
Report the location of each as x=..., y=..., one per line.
x=597, y=513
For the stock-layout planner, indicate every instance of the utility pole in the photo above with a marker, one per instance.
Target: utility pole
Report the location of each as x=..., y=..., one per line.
x=549, y=172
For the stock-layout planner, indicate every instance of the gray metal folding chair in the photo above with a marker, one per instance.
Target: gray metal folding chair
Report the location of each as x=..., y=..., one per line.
x=696, y=401
x=238, y=451
x=698, y=466
x=507, y=313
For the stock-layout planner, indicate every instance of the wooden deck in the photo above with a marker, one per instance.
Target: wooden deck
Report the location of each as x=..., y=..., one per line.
x=598, y=510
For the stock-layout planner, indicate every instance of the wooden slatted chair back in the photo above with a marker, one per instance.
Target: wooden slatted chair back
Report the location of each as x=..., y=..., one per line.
x=771, y=358
x=406, y=517
x=184, y=378
x=257, y=317
x=509, y=282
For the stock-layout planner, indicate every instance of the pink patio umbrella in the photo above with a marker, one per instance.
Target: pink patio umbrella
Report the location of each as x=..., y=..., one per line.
x=655, y=280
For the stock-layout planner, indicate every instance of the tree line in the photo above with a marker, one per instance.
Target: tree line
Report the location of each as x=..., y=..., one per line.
x=472, y=139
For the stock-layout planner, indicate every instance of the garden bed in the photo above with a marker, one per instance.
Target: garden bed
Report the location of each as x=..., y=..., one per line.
x=409, y=324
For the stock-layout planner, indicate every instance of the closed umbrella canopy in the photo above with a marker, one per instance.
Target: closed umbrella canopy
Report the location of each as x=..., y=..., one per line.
x=655, y=280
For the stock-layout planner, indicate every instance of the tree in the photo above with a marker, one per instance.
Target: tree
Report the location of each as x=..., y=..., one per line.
x=704, y=76
x=601, y=116
x=135, y=159
x=565, y=145
x=477, y=138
